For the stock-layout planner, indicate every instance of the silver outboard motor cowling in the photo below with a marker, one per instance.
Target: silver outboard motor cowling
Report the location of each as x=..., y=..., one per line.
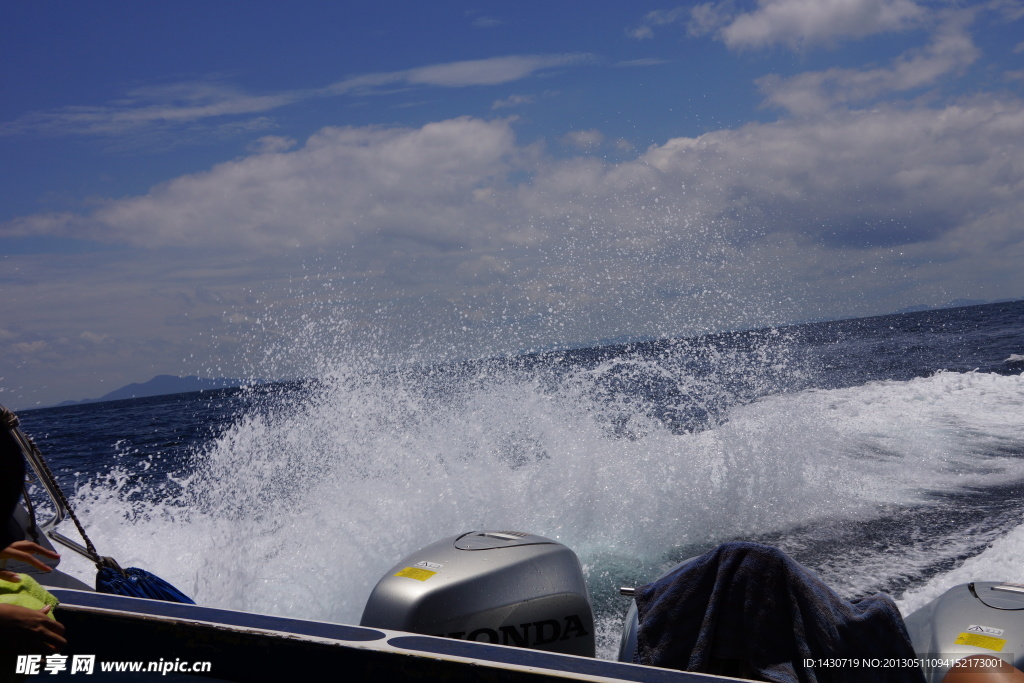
x=503, y=587
x=981, y=618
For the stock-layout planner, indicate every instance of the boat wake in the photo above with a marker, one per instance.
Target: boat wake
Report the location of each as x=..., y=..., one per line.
x=312, y=493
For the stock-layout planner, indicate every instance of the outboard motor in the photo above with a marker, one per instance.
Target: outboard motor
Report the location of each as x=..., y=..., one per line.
x=503, y=587
x=631, y=624
x=980, y=618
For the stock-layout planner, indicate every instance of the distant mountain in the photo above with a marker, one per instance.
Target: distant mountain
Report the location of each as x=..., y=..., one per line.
x=960, y=303
x=915, y=309
x=955, y=303
x=160, y=385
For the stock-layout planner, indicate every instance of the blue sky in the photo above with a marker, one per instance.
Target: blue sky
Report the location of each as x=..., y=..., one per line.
x=271, y=190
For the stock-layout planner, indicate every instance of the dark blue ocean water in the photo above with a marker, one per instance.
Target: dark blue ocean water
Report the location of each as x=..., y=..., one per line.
x=887, y=453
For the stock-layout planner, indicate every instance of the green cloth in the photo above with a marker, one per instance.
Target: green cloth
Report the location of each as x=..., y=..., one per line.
x=26, y=593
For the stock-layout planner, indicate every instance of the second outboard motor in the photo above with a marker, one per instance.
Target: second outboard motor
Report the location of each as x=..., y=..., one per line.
x=980, y=618
x=503, y=587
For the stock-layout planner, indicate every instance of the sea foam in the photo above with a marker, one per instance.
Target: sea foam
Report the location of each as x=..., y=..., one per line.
x=303, y=503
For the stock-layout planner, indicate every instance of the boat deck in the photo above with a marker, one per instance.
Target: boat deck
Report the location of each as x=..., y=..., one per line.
x=240, y=646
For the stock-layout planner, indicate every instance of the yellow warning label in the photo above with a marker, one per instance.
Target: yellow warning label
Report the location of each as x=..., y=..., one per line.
x=419, y=574
x=978, y=640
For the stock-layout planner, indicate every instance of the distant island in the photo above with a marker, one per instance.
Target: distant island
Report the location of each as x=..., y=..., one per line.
x=955, y=303
x=161, y=385
x=169, y=384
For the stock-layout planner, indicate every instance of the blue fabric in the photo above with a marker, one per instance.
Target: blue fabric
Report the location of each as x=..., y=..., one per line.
x=138, y=583
x=748, y=609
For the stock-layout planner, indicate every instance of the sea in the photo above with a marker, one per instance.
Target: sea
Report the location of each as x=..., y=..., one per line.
x=884, y=453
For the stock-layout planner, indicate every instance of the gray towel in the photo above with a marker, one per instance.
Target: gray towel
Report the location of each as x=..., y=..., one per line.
x=749, y=610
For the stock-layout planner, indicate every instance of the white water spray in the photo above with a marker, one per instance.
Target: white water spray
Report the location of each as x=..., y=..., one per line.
x=307, y=499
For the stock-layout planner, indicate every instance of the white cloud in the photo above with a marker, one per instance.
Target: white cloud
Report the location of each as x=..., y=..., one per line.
x=269, y=144
x=405, y=236
x=151, y=106
x=796, y=24
x=28, y=348
x=491, y=71
x=709, y=18
x=513, y=101
x=950, y=51
x=624, y=146
x=647, y=61
x=1011, y=10
x=92, y=337
x=584, y=139
x=450, y=184
x=858, y=179
x=174, y=106
x=343, y=183
x=645, y=29
x=487, y=22
x=802, y=23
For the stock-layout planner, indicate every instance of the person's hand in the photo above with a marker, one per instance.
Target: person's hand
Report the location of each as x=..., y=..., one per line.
x=29, y=631
x=26, y=551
